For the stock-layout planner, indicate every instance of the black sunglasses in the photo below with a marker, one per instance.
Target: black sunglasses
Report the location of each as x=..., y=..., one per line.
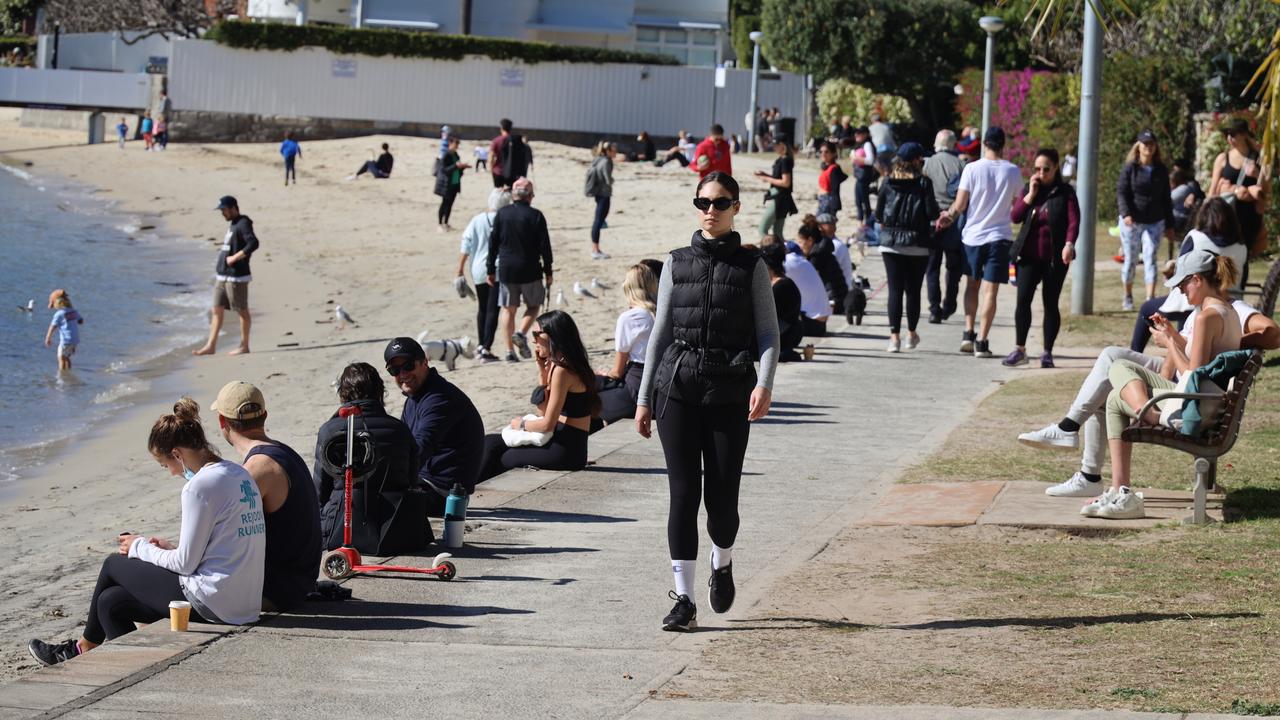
x=538, y=334
x=394, y=370
x=721, y=204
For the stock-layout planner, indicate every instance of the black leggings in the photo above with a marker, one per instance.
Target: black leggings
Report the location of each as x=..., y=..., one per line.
x=446, y=204
x=566, y=451
x=1142, y=332
x=486, y=314
x=289, y=168
x=372, y=168
x=1030, y=274
x=602, y=211
x=862, y=198
x=906, y=275
x=704, y=447
x=129, y=591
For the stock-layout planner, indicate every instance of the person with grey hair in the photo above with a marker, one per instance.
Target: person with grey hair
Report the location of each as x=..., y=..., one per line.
x=881, y=135
x=475, y=245
x=519, y=260
x=943, y=169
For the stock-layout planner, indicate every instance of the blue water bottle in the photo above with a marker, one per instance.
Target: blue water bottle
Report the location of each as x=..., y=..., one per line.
x=455, y=516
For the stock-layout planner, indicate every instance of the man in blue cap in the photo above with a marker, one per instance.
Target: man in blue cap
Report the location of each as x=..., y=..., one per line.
x=231, y=279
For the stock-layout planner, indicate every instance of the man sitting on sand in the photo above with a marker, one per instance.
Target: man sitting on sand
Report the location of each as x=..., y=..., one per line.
x=445, y=424
x=231, y=282
x=289, y=502
x=380, y=168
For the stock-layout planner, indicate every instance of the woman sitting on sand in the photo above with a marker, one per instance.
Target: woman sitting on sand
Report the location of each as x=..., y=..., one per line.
x=569, y=402
x=216, y=565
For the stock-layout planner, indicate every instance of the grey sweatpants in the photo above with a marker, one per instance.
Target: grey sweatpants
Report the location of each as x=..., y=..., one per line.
x=1090, y=406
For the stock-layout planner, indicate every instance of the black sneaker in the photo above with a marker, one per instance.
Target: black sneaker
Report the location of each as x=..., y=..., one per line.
x=720, y=590
x=48, y=654
x=683, y=617
x=511, y=357
x=487, y=357
x=522, y=345
x=935, y=319
x=966, y=341
x=982, y=349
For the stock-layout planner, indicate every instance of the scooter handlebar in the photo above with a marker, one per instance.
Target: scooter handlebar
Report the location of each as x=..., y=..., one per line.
x=348, y=410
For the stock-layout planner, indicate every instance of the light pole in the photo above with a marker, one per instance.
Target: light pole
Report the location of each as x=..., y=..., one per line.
x=1087, y=169
x=755, y=36
x=991, y=25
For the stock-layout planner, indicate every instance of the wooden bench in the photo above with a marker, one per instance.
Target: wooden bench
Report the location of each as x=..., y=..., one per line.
x=1212, y=442
x=1266, y=291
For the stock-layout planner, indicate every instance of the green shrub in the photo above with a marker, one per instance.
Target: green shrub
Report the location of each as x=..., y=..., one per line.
x=743, y=25
x=840, y=97
x=349, y=41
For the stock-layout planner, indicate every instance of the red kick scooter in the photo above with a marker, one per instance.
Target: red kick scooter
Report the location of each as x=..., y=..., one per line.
x=345, y=561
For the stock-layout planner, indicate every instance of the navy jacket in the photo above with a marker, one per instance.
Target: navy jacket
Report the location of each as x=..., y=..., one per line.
x=521, y=241
x=449, y=434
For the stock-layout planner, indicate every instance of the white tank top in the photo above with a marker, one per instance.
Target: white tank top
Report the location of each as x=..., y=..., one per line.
x=1231, y=330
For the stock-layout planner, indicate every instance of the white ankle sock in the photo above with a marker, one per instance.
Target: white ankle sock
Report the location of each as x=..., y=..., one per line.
x=720, y=557
x=683, y=571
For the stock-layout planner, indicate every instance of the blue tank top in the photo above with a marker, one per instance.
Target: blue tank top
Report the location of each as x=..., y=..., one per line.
x=293, y=532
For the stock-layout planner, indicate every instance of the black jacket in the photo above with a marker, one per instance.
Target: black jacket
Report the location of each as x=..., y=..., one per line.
x=905, y=208
x=823, y=258
x=445, y=175
x=1057, y=198
x=1145, y=196
x=239, y=237
x=385, y=162
x=448, y=432
x=521, y=240
x=515, y=158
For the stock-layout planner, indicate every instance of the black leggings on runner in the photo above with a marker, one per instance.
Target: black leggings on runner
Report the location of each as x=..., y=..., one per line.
x=129, y=591
x=446, y=204
x=486, y=314
x=906, y=276
x=1051, y=278
x=704, y=447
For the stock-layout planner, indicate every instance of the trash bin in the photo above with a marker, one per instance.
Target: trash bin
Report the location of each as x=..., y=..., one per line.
x=787, y=126
x=97, y=128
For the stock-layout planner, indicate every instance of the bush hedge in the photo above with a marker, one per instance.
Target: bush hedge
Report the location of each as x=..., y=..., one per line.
x=377, y=42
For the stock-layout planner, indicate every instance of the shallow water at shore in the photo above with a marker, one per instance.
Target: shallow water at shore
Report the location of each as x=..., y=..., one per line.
x=141, y=292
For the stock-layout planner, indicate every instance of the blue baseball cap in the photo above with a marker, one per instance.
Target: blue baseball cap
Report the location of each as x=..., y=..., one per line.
x=910, y=151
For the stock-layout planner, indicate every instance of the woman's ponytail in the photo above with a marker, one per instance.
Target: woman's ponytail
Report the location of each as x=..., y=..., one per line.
x=1225, y=275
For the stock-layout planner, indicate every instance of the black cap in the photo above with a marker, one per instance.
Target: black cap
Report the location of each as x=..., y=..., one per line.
x=994, y=138
x=1146, y=136
x=403, y=347
x=1236, y=126
x=226, y=201
x=910, y=151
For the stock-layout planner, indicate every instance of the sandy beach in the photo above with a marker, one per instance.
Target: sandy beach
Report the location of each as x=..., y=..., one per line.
x=371, y=246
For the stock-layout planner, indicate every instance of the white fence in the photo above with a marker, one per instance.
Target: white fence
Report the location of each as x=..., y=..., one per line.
x=74, y=88
x=615, y=98
x=102, y=51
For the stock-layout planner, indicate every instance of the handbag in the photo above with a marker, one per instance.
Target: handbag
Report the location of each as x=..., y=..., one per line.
x=515, y=437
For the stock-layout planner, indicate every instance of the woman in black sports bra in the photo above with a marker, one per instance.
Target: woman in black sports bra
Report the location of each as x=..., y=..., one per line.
x=569, y=400
x=1237, y=173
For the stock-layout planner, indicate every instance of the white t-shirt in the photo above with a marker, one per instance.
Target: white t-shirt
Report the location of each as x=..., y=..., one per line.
x=632, y=333
x=846, y=263
x=813, y=294
x=992, y=186
x=222, y=545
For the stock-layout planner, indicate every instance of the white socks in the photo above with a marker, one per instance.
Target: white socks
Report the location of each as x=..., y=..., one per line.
x=720, y=557
x=683, y=571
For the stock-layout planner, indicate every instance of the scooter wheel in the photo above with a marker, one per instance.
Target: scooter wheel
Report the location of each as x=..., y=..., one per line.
x=335, y=565
x=449, y=570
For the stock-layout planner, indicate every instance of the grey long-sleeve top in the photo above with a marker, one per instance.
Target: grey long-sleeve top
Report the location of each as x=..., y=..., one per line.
x=663, y=335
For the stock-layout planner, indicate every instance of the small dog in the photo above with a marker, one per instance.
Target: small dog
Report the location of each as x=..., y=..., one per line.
x=855, y=302
x=448, y=351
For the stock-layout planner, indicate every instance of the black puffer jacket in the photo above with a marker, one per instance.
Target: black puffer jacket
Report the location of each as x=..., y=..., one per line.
x=906, y=209
x=823, y=258
x=1144, y=194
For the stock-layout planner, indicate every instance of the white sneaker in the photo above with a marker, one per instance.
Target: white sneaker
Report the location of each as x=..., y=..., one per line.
x=894, y=346
x=1092, y=509
x=913, y=342
x=1127, y=304
x=601, y=255
x=1124, y=505
x=1077, y=486
x=1050, y=437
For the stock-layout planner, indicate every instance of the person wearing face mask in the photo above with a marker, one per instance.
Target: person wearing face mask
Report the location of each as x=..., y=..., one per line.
x=216, y=564
x=715, y=313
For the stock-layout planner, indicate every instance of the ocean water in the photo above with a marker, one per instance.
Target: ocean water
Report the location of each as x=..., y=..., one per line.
x=143, y=294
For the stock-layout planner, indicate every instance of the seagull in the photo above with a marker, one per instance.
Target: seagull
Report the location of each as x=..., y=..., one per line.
x=597, y=285
x=581, y=291
x=559, y=297
x=29, y=307
x=422, y=337
x=343, y=317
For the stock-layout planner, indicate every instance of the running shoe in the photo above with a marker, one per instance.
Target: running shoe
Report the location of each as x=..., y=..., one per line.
x=522, y=345
x=913, y=341
x=683, y=617
x=966, y=342
x=486, y=357
x=511, y=357
x=894, y=346
x=982, y=349
x=600, y=255
x=1050, y=437
x=1076, y=486
x=1015, y=358
x=720, y=589
x=1127, y=304
x=1124, y=505
x=50, y=654
x=1046, y=361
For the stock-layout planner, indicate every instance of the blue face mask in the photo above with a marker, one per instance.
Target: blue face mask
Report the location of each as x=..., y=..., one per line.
x=187, y=473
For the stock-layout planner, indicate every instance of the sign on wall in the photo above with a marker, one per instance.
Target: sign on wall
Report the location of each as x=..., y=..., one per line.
x=343, y=68
x=511, y=77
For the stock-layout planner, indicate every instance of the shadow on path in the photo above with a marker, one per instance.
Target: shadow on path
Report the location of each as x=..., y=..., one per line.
x=971, y=623
x=357, y=615
x=528, y=515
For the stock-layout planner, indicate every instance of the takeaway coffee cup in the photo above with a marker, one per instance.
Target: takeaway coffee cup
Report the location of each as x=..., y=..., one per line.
x=179, y=615
x=808, y=352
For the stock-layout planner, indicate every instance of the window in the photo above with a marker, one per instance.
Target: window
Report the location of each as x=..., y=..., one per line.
x=691, y=47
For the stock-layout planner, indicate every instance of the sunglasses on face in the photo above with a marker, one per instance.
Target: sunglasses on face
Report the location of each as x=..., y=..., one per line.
x=538, y=334
x=722, y=204
x=404, y=367
x=1043, y=170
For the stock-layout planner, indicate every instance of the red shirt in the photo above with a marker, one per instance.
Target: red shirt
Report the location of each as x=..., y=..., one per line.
x=719, y=154
x=495, y=155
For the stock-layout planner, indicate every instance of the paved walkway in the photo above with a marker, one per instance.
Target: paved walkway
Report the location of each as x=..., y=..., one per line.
x=562, y=585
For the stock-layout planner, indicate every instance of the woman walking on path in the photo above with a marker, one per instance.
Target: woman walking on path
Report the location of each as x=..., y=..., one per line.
x=778, y=203
x=715, y=311
x=1044, y=249
x=1146, y=212
x=1237, y=172
x=905, y=209
x=599, y=185
x=449, y=183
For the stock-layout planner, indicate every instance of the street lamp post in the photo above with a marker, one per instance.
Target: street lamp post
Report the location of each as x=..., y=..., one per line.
x=991, y=25
x=755, y=36
x=1087, y=169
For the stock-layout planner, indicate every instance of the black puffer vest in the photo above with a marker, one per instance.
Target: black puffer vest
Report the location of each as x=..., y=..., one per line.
x=710, y=361
x=1056, y=199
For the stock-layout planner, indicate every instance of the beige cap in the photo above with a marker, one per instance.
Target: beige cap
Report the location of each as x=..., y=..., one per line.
x=240, y=401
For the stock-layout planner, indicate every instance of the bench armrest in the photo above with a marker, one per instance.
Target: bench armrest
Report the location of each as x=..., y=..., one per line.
x=1178, y=395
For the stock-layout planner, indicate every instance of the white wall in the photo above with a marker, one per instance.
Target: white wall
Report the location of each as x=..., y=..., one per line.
x=85, y=88
x=204, y=76
x=102, y=51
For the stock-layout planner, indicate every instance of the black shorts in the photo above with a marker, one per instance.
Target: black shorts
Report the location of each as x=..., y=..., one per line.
x=499, y=181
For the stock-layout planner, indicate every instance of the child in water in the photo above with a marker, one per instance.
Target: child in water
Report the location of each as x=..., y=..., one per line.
x=66, y=319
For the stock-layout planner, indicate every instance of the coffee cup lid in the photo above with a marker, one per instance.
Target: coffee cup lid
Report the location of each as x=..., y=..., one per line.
x=179, y=605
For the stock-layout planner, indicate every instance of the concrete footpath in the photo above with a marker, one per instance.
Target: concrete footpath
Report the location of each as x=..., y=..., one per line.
x=562, y=585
